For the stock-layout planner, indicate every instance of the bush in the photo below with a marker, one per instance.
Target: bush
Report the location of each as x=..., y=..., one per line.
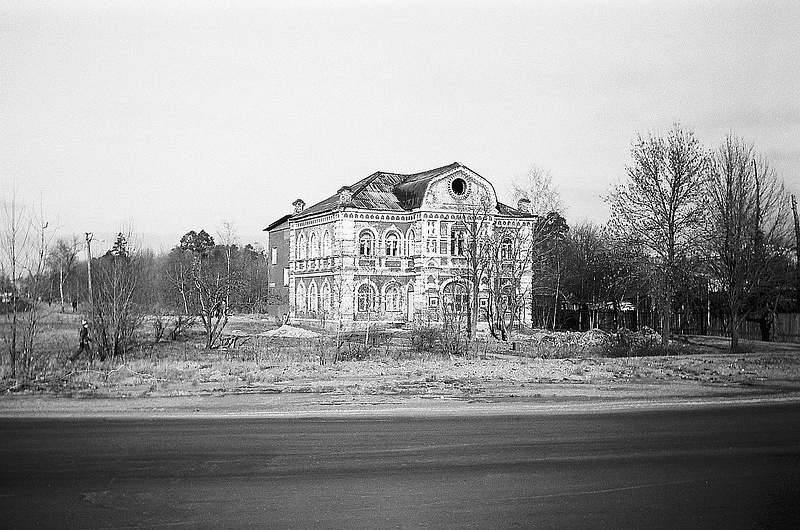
x=627, y=343
x=425, y=337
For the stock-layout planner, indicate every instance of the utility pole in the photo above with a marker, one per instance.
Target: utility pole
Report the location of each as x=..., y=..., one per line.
x=89, y=236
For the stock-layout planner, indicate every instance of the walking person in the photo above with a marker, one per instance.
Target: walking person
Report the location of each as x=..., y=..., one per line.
x=84, y=342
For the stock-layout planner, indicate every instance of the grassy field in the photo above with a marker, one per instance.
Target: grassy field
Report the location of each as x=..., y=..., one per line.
x=391, y=363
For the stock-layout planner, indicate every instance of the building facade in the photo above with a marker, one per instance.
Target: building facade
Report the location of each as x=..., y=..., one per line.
x=386, y=250
x=278, y=268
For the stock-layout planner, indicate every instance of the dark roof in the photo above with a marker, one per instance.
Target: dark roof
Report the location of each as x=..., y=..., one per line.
x=390, y=192
x=504, y=209
x=277, y=223
x=384, y=191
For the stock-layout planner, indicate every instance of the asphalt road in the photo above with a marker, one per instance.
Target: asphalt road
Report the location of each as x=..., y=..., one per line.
x=736, y=466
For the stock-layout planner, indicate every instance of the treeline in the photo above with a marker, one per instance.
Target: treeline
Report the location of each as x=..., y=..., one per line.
x=694, y=234
x=160, y=285
x=197, y=280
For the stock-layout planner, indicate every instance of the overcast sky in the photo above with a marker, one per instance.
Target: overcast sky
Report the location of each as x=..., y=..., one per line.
x=175, y=116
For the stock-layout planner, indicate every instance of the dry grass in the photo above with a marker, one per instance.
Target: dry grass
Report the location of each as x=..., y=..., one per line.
x=388, y=363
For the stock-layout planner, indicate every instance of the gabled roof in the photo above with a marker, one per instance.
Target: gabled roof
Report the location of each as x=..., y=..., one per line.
x=277, y=223
x=504, y=209
x=384, y=191
x=390, y=192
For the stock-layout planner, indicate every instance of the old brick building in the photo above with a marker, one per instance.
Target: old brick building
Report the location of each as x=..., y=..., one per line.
x=386, y=249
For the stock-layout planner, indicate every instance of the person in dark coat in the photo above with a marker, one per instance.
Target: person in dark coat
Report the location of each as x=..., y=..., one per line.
x=84, y=342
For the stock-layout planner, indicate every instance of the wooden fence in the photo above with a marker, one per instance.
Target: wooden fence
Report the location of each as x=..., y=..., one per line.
x=785, y=328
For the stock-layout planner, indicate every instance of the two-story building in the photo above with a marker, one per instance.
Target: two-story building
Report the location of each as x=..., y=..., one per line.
x=386, y=249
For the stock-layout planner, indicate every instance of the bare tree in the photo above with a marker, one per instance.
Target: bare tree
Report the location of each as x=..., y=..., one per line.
x=471, y=242
x=63, y=257
x=749, y=222
x=547, y=264
x=178, y=271
x=204, y=282
x=510, y=261
x=228, y=238
x=536, y=185
x=24, y=241
x=116, y=311
x=662, y=206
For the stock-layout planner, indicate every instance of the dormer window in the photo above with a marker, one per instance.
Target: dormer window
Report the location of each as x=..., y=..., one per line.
x=345, y=195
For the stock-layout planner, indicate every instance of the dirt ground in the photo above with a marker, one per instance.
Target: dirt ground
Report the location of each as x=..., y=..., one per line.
x=269, y=382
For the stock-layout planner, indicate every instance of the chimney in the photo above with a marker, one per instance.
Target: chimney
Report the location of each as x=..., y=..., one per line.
x=299, y=205
x=345, y=195
x=524, y=205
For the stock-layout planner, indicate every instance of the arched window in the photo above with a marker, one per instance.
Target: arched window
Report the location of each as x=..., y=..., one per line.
x=456, y=242
x=366, y=244
x=326, y=297
x=411, y=246
x=302, y=247
x=506, y=249
x=456, y=298
x=313, y=246
x=326, y=244
x=392, y=298
x=366, y=298
x=300, y=298
x=507, y=296
x=313, y=304
x=392, y=244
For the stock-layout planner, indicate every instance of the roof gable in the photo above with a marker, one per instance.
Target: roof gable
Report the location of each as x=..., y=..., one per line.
x=397, y=192
x=384, y=191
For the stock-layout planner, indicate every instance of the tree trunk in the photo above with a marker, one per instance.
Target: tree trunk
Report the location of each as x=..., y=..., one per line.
x=666, y=325
x=734, y=328
x=555, y=301
x=61, y=285
x=765, y=326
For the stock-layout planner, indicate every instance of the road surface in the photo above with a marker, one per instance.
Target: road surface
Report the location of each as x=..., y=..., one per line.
x=734, y=466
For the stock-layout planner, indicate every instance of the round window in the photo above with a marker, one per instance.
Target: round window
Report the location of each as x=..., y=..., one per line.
x=459, y=186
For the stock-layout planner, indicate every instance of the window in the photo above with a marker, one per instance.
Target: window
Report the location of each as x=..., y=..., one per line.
x=506, y=249
x=326, y=297
x=274, y=255
x=431, y=228
x=456, y=243
x=313, y=303
x=366, y=244
x=286, y=276
x=300, y=298
x=366, y=298
x=411, y=247
x=456, y=298
x=392, y=298
x=326, y=244
x=392, y=245
x=458, y=186
x=302, y=247
x=313, y=249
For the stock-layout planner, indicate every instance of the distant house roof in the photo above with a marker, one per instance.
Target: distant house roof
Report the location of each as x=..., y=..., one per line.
x=504, y=209
x=277, y=223
x=390, y=192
